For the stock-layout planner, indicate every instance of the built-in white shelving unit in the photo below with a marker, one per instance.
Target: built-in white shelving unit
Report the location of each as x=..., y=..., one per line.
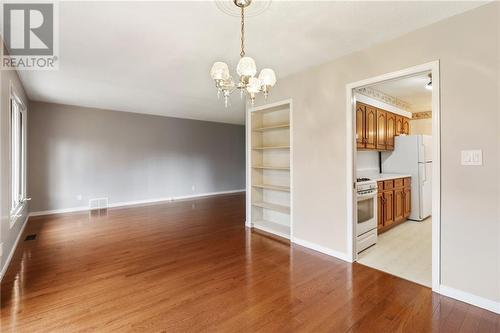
x=270, y=167
x=269, y=181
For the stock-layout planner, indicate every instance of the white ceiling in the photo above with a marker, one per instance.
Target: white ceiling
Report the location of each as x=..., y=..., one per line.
x=411, y=90
x=155, y=57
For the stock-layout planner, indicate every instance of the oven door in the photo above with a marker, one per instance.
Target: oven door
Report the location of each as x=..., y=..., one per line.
x=367, y=213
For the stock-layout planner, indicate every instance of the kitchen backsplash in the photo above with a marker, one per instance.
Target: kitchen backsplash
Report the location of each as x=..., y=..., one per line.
x=367, y=162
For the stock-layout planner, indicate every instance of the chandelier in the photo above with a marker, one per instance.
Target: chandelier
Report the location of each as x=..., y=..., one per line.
x=248, y=84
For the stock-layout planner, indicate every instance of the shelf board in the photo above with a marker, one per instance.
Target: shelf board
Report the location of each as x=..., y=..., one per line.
x=270, y=167
x=273, y=127
x=273, y=187
x=271, y=206
x=273, y=228
x=271, y=147
x=273, y=107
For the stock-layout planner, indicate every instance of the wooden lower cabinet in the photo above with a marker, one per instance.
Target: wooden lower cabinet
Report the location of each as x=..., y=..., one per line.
x=380, y=210
x=399, y=203
x=393, y=203
x=407, y=204
x=388, y=210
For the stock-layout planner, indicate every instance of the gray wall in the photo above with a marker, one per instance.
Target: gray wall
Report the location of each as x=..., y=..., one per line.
x=467, y=46
x=127, y=157
x=8, y=235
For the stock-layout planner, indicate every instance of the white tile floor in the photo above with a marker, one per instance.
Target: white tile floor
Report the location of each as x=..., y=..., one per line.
x=404, y=251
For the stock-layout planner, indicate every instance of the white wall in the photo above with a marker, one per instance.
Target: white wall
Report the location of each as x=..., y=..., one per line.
x=77, y=154
x=467, y=46
x=8, y=235
x=367, y=162
x=421, y=126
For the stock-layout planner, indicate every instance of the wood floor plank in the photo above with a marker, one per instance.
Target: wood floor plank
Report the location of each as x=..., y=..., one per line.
x=193, y=266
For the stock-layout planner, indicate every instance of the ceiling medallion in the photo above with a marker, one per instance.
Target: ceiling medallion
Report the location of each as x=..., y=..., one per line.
x=248, y=84
x=228, y=7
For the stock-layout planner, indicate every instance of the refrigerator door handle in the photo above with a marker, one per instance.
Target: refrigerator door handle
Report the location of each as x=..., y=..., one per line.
x=422, y=155
x=424, y=173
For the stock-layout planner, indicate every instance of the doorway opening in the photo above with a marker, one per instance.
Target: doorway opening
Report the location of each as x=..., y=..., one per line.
x=393, y=167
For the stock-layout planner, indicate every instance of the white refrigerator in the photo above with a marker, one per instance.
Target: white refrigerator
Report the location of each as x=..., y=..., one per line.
x=413, y=155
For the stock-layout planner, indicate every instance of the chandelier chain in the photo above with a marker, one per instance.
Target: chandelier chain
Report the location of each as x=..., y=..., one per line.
x=242, y=53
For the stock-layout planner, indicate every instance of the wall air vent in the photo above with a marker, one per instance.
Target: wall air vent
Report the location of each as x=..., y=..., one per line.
x=30, y=237
x=98, y=203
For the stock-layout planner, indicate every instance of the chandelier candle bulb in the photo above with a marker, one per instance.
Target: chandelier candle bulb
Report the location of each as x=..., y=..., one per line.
x=267, y=77
x=219, y=71
x=253, y=85
x=246, y=70
x=246, y=67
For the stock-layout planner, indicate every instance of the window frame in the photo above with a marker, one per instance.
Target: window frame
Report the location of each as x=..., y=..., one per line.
x=18, y=165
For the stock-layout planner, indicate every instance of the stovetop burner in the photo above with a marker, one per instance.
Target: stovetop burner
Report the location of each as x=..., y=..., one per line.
x=362, y=179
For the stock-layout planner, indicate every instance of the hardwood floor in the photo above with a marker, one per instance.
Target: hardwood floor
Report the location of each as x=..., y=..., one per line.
x=191, y=266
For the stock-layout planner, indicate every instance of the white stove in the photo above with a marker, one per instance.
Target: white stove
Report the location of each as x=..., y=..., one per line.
x=366, y=228
x=365, y=186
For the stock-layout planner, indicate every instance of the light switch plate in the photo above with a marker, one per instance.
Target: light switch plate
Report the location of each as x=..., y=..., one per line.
x=1, y=249
x=472, y=157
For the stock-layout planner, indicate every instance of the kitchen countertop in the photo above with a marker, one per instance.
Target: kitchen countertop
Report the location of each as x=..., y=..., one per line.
x=386, y=176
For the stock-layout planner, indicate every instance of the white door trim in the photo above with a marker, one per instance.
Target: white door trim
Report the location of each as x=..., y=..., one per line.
x=433, y=67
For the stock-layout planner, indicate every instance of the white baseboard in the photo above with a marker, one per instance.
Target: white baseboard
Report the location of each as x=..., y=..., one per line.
x=322, y=249
x=133, y=203
x=13, y=249
x=59, y=211
x=463, y=296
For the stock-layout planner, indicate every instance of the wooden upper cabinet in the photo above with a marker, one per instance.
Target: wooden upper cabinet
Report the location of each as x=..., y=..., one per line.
x=390, y=130
x=376, y=128
x=360, y=125
x=381, y=129
x=399, y=125
x=406, y=126
x=370, y=127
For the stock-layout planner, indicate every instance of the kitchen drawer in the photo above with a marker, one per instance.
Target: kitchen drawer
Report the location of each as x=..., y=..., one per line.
x=398, y=182
x=388, y=184
x=380, y=186
x=366, y=240
x=407, y=182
